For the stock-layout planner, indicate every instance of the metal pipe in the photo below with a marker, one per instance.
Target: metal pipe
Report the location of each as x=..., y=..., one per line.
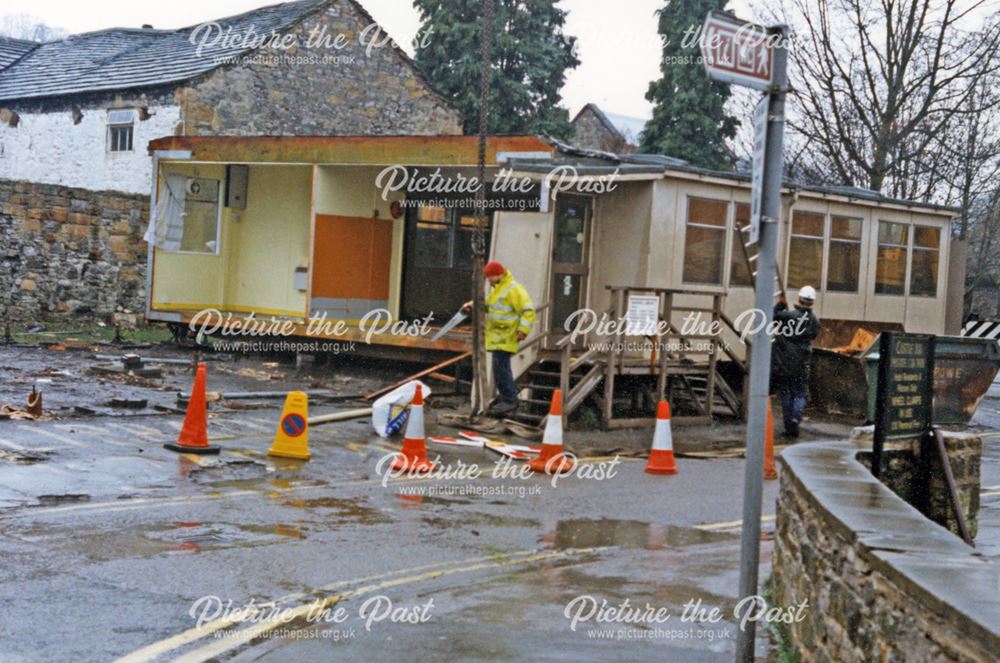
x=339, y=416
x=949, y=477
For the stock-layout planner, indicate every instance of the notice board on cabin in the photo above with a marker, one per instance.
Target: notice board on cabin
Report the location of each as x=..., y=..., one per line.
x=351, y=262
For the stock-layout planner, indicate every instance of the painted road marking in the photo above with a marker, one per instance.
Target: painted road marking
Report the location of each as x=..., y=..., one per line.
x=246, y=635
x=731, y=524
x=17, y=447
x=193, y=634
x=53, y=436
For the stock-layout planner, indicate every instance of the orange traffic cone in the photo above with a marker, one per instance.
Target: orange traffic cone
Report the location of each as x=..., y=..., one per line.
x=661, y=456
x=770, y=473
x=550, y=459
x=194, y=434
x=413, y=457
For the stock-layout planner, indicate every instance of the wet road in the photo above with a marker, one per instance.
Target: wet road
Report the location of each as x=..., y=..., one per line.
x=988, y=415
x=113, y=547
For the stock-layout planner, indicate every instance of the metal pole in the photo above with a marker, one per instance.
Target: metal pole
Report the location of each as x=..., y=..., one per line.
x=480, y=398
x=760, y=360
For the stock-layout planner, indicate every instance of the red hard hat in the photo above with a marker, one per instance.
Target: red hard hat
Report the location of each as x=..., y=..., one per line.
x=494, y=269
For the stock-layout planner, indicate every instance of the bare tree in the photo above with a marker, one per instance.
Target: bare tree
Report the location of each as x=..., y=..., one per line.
x=23, y=26
x=881, y=85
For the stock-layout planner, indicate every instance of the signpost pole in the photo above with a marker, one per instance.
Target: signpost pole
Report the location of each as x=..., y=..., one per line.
x=760, y=361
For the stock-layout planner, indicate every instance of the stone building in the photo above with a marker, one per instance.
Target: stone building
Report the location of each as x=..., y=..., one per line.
x=607, y=132
x=76, y=116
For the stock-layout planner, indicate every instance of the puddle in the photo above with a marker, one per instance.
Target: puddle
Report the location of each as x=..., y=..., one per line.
x=166, y=538
x=628, y=534
x=347, y=509
x=229, y=471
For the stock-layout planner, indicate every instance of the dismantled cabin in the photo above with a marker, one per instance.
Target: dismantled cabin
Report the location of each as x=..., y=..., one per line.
x=345, y=228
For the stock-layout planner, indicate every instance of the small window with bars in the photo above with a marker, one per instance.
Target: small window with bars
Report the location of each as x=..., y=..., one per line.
x=120, y=125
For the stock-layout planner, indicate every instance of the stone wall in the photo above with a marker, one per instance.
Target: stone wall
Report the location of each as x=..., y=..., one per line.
x=883, y=583
x=70, y=251
x=71, y=149
x=901, y=473
x=592, y=133
x=365, y=87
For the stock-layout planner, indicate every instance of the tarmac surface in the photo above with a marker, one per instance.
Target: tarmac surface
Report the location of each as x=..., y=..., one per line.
x=117, y=549
x=988, y=418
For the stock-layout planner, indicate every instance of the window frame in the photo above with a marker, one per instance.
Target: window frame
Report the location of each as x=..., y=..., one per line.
x=824, y=244
x=913, y=252
x=218, y=221
x=859, y=243
x=726, y=229
x=907, y=246
x=112, y=142
x=119, y=119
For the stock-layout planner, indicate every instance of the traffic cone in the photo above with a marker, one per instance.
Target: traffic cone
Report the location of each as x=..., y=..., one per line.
x=413, y=457
x=661, y=456
x=291, y=440
x=550, y=458
x=194, y=434
x=770, y=473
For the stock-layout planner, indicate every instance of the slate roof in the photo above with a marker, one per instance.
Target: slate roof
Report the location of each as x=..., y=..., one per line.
x=123, y=58
x=13, y=49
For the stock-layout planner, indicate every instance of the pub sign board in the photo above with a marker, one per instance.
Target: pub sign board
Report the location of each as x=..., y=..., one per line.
x=905, y=391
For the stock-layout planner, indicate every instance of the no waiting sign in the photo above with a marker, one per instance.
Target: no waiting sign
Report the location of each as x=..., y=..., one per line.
x=736, y=51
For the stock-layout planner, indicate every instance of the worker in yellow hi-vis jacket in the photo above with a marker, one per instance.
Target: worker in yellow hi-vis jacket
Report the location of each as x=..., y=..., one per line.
x=510, y=315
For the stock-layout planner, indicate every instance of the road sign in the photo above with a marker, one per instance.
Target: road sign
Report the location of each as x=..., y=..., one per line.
x=904, y=400
x=293, y=425
x=735, y=51
x=757, y=177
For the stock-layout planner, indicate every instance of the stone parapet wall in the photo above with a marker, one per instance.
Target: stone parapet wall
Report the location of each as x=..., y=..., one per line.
x=901, y=465
x=883, y=582
x=70, y=251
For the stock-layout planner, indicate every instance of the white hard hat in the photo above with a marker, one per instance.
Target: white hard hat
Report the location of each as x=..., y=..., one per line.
x=807, y=293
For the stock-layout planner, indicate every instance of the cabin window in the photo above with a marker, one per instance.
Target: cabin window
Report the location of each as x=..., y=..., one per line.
x=844, y=262
x=705, y=241
x=201, y=216
x=442, y=238
x=805, y=251
x=924, y=272
x=739, y=271
x=120, y=123
x=890, y=271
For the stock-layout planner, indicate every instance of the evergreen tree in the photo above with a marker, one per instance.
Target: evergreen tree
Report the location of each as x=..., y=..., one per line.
x=689, y=118
x=531, y=55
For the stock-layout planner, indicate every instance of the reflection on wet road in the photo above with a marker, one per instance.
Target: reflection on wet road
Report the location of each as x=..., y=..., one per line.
x=118, y=546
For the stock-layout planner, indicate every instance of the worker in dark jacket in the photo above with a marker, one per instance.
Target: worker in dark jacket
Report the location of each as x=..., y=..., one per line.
x=791, y=356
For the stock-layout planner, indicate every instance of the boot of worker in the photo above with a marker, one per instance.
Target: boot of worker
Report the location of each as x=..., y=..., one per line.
x=504, y=408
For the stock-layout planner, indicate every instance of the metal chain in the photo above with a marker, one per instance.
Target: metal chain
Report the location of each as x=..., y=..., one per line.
x=479, y=399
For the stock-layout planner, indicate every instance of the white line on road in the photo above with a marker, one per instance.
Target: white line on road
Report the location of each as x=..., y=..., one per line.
x=52, y=436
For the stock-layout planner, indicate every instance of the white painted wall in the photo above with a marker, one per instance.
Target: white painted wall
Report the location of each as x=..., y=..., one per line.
x=49, y=148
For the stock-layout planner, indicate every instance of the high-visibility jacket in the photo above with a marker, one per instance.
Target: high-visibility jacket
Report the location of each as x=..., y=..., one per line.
x=508, y=311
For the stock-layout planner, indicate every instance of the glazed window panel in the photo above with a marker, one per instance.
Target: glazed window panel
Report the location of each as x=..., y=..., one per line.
x=890, y=269
x=844, y=268
x=705, y=241
x=926, y=254
x=201, y=216
x=432, y=238
x=805, y=250
x=739, y=272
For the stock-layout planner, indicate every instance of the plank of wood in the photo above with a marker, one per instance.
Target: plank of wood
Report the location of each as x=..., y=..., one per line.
x=417, y=376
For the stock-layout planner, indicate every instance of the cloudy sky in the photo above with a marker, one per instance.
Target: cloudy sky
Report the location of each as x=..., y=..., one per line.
x=618, y=49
